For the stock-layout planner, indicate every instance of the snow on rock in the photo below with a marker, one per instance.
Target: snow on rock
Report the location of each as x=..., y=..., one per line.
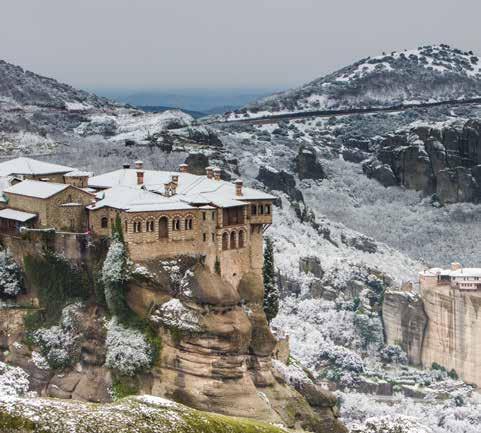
x=174, y=314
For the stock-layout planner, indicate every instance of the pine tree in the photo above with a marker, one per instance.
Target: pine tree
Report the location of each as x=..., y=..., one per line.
x=117, y=229
x=271, y=293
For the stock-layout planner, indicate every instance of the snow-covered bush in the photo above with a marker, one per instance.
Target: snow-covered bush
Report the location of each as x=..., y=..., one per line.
x=13, y=381
x=370, y=330
x=393, y=354
x=10, y=275
x=390, y=424
x=128, y=352
x=343, y=358
x=58, y=344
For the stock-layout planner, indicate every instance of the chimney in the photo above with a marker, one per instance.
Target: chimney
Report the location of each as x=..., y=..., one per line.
x=209, y=171
x=139, y=165
x=217, y=173
x=168, y=189
x=175, y=179
x=125, y=166
x=455, y=266
x=140, y=177
x=238, y=187
x=184, y=168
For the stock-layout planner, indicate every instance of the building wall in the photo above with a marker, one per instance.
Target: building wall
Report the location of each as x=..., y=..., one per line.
x=56, y=177
x=50, y=211
x=29, y=204
x=78, y=181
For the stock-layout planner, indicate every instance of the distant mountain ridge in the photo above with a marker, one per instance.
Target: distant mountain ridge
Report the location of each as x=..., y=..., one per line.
x=426, y=74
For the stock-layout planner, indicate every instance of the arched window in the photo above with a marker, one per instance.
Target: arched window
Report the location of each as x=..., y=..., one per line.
x=225, y=241
x=233, y=241
x=137, y=227
x=163, y=228
x=149, y=226
x=104, y=222
x=189, y=224
x=240, y=242
x=176, y=224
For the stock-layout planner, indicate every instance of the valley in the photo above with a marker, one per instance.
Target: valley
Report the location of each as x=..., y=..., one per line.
x=375, y=174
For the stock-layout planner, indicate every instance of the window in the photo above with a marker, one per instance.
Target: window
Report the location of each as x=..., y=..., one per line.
x=163, y=228
x=233, y=241
x=213, y=237
x=137, y=227
x=205, y=237
x=253, y=209
x=104, y=222
x=268, y=209
x=261, y=210
x=189, y=224
x=241, y=239
x=176, y=224
x=213, y=215
x=204, y=216
x=69, y=198
x=225, y=241
x=150, y=226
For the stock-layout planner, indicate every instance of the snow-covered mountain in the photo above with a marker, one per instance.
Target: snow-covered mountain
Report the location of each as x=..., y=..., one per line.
x=38, y=114
x=426, y=74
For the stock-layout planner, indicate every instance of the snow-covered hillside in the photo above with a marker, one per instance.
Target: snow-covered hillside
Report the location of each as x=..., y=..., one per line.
x=427, y=74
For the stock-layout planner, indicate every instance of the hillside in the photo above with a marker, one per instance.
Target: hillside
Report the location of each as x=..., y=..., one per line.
x=427, y=74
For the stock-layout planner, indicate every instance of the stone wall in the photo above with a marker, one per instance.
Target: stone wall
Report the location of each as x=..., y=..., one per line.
x=63, y=211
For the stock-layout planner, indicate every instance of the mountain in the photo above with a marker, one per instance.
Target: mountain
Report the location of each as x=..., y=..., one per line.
x=427, y=74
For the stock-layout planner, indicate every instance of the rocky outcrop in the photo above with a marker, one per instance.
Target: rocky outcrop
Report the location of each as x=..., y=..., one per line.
x=454, y=324
x=435, y=160
x=197, y=162
x=280, y=181
x=142, y=414
x=405, y=322
x=441, y=325
x=306, y=164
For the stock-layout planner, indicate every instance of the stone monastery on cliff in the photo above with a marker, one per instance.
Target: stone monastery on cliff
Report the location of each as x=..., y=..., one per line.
x=456, y=278
x=163, y=214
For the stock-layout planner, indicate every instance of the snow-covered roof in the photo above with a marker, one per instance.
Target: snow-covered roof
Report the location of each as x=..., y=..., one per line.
x=36, y=188
x=29, y=166
x=16, y=215
x=191, y=188
x=462, y=272
x=135, y=199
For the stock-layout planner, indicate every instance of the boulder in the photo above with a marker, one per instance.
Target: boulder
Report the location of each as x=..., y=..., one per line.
x=280, y=181
x=381, y=172
x=306, y=164
x=311, y=265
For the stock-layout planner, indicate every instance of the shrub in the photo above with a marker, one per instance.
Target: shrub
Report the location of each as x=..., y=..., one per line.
x=58, y=282
x=11, y=282
x=128, y=351
x=13, y=381
x=393, y=354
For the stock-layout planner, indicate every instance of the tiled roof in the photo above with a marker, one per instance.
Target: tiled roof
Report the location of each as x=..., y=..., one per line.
x=29, y=166
x=36, y=188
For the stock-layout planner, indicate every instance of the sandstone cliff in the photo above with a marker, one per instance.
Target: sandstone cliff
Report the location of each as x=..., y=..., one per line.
x=215, y=352
x=441, y=326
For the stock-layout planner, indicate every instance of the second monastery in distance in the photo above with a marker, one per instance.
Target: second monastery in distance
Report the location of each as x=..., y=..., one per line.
x=163, y=214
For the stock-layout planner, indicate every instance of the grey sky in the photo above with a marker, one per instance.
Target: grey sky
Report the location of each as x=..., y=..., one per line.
x=220, y=43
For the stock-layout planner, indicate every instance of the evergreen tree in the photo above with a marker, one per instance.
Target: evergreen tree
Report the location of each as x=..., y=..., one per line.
x=115, y=274
x=271, y=293
x=117, y=229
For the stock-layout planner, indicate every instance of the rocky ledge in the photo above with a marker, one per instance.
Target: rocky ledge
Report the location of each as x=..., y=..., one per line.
x=142, y=414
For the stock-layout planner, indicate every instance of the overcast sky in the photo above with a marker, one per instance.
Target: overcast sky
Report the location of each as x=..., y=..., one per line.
x=161, y=44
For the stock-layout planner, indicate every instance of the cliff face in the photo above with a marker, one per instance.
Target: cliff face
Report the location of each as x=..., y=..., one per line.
x=405, y=321
x=452, y=334
x=216, y=345
x=440, y=326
